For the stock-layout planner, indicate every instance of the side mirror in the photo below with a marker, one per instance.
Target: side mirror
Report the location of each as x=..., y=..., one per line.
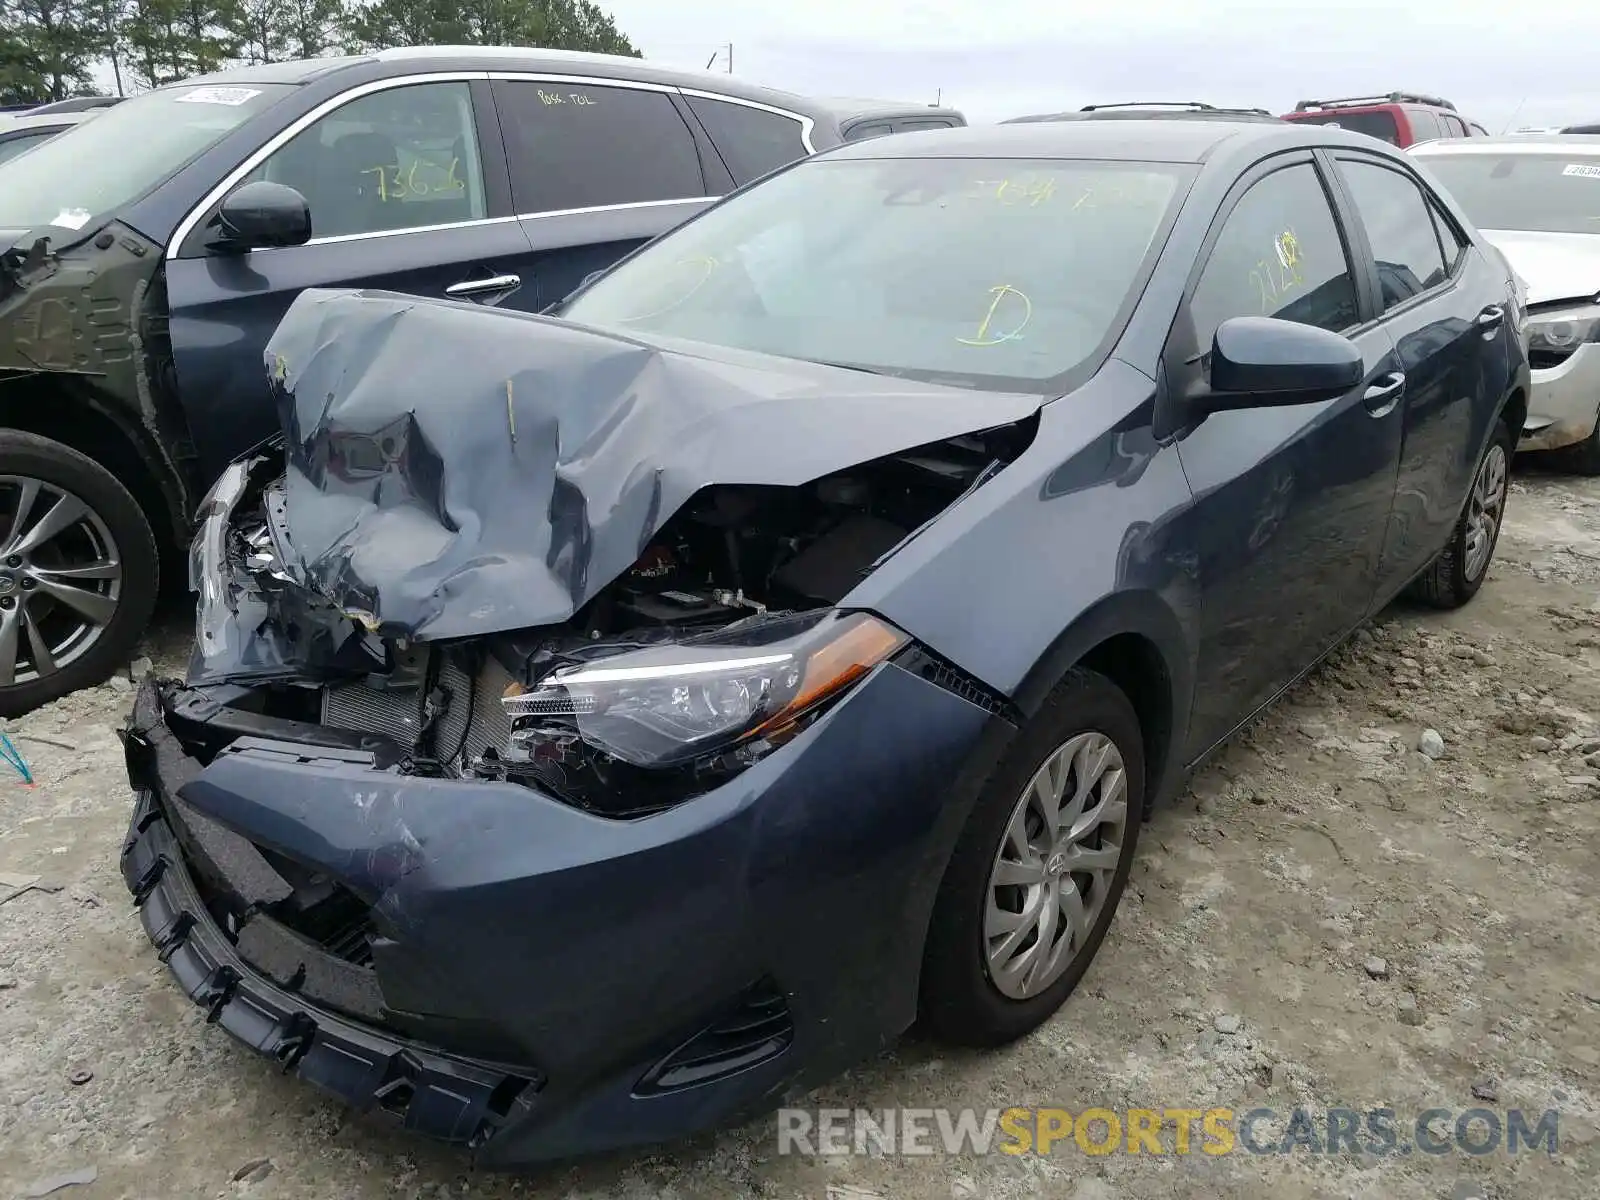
x=1264, y=362
x=260, y=216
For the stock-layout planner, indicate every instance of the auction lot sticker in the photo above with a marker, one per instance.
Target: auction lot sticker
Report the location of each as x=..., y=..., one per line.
x=231, y=96
x=1586, y=170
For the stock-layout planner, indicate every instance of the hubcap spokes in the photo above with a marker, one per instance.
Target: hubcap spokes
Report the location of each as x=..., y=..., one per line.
x=1053, y=873
x=60, y=578
x=1484, y=510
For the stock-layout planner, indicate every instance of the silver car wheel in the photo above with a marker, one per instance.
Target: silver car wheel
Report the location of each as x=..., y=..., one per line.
x=60, y=578
x=1052, y=875
x=1484, y=510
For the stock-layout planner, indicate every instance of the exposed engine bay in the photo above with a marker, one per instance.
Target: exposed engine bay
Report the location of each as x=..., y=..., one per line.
x=737, y=561
x=563, y=557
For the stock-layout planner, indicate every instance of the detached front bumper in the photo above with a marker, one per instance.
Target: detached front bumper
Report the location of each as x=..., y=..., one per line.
x=1564, y=402
x=532, y=980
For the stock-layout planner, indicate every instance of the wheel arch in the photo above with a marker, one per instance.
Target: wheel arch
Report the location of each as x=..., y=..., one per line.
x=65, y=410
x=1135, y=640
x=1514, y=411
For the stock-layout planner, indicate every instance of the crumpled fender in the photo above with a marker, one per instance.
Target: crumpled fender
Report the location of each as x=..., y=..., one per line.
x=79, y=303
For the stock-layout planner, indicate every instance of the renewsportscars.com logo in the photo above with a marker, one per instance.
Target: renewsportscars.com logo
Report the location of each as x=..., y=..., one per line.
x=1180, y=1131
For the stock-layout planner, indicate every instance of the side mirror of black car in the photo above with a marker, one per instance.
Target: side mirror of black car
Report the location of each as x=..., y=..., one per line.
x=260, y=216
x=1264, y=362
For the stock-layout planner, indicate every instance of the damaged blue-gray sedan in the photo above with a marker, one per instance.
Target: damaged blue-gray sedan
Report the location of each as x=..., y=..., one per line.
x=604, y=723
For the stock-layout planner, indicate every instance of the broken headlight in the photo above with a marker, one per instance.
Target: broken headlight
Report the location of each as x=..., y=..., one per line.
x=1557, y=334
x=666, y=705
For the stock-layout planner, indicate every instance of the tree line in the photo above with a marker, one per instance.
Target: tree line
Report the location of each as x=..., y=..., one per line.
x=53, y=49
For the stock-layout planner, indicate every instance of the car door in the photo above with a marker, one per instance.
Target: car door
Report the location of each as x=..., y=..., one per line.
x=1290, y=502
x=1443, y=306
x=406, y=183
x=598, y=168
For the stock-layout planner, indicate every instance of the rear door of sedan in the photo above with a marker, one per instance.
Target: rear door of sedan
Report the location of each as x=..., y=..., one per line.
x=1444, y=303
x=598, y=168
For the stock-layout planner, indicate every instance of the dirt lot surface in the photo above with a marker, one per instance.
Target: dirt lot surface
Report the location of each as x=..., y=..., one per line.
x=1242, y=971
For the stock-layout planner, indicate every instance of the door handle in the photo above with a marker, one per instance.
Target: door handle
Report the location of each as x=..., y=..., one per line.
x=1382, y=396
x=467, y=288
x=1491, y=318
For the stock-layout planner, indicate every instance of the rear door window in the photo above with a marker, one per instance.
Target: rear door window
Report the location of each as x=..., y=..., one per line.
x=1453, y=126
x=752, y=141
x=576, y=145
x=1400, y=229
x=1376, y=122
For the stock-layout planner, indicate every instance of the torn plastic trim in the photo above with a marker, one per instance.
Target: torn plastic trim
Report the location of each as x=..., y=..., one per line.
x=441, y=1096
x=254, y=622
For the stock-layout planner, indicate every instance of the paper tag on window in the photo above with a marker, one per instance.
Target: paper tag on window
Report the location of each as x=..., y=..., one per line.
x=1585, y=170
x=72, y=218
x=231, y=96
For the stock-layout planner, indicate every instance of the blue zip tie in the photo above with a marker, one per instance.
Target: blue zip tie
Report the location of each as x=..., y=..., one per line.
x=13, y=756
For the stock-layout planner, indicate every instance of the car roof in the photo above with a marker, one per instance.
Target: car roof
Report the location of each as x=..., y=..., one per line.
x=1147, y=114
x=398, y=61
x=9, y=121
x=1155, y=140
x=854, y=108
x=1511, y=143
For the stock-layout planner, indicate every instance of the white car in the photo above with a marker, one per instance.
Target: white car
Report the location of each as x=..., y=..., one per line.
x=21, y=132
x=1538, y=201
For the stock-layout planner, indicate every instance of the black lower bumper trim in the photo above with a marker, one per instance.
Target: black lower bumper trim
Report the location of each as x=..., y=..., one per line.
x=451, y=1099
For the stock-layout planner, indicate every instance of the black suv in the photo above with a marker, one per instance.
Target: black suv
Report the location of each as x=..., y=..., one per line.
x=150, y=252
x=1144, y=110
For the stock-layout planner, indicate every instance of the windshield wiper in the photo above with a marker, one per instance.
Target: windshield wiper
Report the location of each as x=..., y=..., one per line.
x=848, y=366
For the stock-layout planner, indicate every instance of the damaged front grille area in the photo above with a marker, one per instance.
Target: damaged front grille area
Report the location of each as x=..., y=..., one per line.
x=319, y=1016
x=438, y=700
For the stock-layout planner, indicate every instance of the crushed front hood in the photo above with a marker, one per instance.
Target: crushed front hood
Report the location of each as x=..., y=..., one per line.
x=456, y=471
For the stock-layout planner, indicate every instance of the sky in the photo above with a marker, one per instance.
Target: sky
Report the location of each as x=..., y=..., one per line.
x=1503, y=66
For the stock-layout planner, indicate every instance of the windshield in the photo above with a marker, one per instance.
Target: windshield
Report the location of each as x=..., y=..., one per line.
x=130, y=148
x=1554, y=192
x=1378, y=123
x=976, y=272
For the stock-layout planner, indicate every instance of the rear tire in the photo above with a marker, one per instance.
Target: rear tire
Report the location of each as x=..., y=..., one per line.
x=1456, y=575
x=979, y=987
x=78, y=572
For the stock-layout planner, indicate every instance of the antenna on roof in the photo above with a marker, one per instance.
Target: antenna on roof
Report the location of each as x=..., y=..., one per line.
x=726, y=46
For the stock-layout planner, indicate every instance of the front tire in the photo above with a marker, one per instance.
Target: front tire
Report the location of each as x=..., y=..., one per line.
x=1456, y=575
x=1037, y=872
x=78, y=572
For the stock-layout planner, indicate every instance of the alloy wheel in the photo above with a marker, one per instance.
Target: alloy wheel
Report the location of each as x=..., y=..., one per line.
x=60, y=578
x=1053, y=873
x=1485, y=509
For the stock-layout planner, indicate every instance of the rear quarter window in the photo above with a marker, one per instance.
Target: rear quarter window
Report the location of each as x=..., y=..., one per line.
x=752, y=141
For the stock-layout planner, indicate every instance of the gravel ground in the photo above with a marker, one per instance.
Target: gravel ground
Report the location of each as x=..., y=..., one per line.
x=1242, y=970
